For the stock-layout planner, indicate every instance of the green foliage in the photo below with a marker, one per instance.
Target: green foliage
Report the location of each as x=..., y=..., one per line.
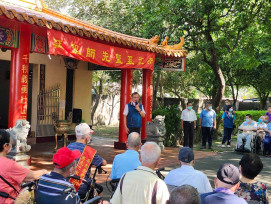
x=172, y=122
x=225, y=39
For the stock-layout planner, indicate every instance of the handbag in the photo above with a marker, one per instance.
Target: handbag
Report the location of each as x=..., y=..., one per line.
x=233, y=126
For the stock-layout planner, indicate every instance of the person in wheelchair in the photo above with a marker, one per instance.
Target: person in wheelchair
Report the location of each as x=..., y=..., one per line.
x=267, y=141
x=12, y=174
x=83, y=138
x=54, y=186
x=261, y=125
x=247, y=127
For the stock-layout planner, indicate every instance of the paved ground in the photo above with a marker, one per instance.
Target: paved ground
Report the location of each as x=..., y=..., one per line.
x=209, y=165
x=208, y=162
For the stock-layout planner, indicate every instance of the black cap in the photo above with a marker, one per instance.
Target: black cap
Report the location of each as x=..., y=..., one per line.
x=228, y=173
x=186, y=155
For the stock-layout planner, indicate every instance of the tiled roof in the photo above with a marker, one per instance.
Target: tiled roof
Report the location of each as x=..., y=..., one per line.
x=54, y=20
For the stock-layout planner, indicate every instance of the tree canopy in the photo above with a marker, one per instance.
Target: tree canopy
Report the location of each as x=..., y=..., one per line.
x=228, y=41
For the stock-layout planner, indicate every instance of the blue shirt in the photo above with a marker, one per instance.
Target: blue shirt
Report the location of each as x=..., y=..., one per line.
x=221, y=196
x=53, y=184
x=97, y=160
x=207, y=118
x=124, y=162
x=228, y=119
x=268, y=126
x=188, y=175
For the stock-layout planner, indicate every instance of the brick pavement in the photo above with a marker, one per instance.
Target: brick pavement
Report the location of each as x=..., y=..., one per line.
x=42, y=154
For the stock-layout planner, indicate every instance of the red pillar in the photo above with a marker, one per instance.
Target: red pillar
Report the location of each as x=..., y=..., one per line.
x=125, y=97
x=19, y=78
x=146, y=100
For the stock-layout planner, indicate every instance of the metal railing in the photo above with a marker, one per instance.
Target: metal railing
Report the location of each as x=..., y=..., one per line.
x=48, y=103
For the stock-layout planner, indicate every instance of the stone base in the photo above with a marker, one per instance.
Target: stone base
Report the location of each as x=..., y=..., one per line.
x=158, y=140
x=22, y=159
x=120, y=145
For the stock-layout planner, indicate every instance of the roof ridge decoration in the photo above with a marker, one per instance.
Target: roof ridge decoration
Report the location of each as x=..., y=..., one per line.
x=45, y=17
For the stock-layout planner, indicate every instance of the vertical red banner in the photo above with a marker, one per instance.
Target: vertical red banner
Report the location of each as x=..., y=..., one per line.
x=147, y=100
x=19, y=69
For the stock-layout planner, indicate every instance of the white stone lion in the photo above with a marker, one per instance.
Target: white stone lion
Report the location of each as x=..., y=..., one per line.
x=18, y=135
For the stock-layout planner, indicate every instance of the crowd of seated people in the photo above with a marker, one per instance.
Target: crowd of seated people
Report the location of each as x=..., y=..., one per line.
x=139, y=182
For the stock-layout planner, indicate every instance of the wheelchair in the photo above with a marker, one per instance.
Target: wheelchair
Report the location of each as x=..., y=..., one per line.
x=253, y=143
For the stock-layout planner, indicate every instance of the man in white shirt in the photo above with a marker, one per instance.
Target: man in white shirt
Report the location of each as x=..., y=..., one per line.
x=133, y=112
x=186, y=174
x=143, y=185
x=188, y=124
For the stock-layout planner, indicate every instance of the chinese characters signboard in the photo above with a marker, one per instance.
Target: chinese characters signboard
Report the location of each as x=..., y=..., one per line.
x=98, y=53
x=24, y=87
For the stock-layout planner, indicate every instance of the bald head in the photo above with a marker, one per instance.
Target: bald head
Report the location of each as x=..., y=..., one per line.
x=133, y=141
x=150, y=153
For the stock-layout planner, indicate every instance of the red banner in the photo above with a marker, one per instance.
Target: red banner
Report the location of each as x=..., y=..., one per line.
x=98, y=53
x=83, y=165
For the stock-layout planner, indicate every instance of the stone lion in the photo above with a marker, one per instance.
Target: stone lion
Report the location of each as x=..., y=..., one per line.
x=18, y=136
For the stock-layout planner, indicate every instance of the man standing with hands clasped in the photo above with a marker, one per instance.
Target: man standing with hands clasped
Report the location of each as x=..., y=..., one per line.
x=207, y=123
x=133, y=112
x=188, y=124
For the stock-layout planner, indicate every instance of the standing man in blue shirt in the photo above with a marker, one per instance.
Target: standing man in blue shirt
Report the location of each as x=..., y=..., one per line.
x=207, y=123
x=129, y=160
x=133, y=112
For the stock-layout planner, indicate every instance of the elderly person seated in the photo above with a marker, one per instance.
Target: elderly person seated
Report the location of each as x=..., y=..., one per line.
x=267, y=140
x=52, y=186
x=142, y=185
x=186, y=174
x=83, y=135
x=128, y=160
x=12, y=173
x=247, y=127
x=184, y=194
x=226, y=183
x=250, y=189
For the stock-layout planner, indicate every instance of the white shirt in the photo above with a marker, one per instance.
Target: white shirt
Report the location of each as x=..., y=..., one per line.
x=138, y=186
x=126, y=109
x=188, y=175
x=188, y=115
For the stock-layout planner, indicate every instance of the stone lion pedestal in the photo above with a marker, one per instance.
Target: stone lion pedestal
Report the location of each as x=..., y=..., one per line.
x=156, y=131
x=18, y=137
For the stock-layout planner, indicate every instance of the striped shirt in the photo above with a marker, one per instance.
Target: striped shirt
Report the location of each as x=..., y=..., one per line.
x=53, y=184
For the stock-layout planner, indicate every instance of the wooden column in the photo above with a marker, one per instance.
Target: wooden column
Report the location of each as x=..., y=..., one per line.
x=147, y=91
x=125, y=97
x=18, y=94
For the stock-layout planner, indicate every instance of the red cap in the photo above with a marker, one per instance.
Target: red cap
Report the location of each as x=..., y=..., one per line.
x=64, y=156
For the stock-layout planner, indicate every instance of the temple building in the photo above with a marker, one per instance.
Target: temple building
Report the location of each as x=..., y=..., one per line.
x=46, y=66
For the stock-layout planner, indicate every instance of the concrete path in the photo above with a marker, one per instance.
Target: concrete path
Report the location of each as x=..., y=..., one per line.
x=210, y=165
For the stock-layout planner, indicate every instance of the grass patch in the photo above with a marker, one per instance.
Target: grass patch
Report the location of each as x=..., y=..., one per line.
x=106, y=131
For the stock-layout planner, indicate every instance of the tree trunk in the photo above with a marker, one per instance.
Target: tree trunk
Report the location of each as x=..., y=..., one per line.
x=98, y=97
x=155, y=90
x=263, y=100
x=213, y=63
x=113, y=106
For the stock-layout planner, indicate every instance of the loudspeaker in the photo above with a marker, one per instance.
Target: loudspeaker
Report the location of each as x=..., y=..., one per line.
x=76, y=115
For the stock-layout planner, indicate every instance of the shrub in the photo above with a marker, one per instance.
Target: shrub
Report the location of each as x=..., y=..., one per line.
x=172, y=122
